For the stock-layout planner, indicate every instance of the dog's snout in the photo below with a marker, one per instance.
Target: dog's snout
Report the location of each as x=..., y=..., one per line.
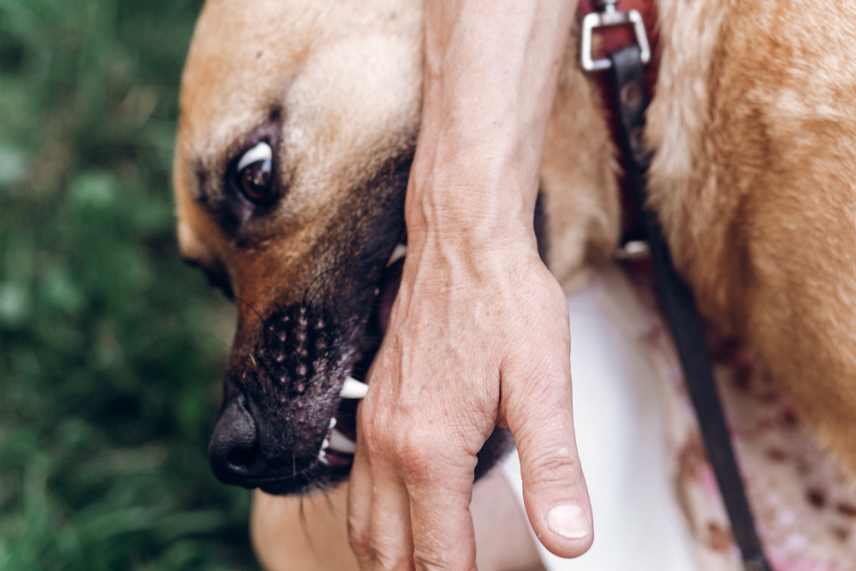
x=234, y=450
x=281, y=396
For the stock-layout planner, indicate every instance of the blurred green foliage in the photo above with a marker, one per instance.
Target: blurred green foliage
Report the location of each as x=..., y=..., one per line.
x=110, y=351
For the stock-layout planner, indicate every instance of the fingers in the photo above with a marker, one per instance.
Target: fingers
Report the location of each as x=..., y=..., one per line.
x=359, y=506
x=378, y=514
x=537, y=408
x=439, y=481
x=390, y=536
x=442, y=527
x=409, y=504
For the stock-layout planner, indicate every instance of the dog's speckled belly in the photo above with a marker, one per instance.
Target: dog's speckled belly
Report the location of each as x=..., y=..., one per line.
x=804, y=501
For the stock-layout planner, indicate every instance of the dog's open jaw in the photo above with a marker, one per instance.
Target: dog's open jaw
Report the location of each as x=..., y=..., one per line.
x=289, y=415
x=339, y=445
x=288, y=422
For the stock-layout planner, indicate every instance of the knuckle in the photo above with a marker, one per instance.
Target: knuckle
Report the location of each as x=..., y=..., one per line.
x=552, y=468
x=429, y=561
x=386, y=554
x=381, y=562
x=418, y=452
x=432, y=560
x=416, y=465
x=401, y=441
x=548, y=402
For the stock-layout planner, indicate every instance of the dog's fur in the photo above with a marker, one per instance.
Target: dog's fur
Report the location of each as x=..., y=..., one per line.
x=754, y=126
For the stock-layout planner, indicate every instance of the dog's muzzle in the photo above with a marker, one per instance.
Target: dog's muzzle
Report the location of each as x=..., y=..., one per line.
x=288, y=418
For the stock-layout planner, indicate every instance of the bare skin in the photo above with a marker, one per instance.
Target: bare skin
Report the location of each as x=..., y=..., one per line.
x=310, y=534
x=753, y=128
x=478, y=335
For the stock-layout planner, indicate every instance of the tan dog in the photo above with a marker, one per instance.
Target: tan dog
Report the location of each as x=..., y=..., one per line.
x=298, y=123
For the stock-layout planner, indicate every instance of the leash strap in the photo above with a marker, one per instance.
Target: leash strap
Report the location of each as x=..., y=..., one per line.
x=676, y=300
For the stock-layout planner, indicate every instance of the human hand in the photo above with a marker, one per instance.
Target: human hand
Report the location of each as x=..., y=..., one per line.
x=478, y=337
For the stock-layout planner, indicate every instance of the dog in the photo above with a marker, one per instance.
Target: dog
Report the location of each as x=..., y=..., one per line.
x=298, y=125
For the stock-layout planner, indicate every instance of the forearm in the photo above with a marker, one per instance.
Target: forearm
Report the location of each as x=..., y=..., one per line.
x=478, y=334
x=491, y=68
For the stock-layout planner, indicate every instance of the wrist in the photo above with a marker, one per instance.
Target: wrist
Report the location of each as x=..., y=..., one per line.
x=468, y=230
x=471, y=223
x=477, y=238
x=467, y=196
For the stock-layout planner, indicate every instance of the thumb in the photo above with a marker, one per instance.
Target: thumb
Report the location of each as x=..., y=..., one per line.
x=536, y=405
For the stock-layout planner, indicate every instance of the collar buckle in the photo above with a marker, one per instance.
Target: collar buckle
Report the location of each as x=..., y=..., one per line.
x=610, y=16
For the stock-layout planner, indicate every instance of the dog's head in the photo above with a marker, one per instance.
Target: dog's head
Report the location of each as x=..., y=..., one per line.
x=298, y=125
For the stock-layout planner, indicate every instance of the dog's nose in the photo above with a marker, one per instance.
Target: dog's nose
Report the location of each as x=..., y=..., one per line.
x=234, y=451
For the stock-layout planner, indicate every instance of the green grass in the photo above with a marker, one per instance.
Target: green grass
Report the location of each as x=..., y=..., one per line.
x=110, y=350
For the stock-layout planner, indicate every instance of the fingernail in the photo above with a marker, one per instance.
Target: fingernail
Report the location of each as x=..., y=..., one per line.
x=568, y=520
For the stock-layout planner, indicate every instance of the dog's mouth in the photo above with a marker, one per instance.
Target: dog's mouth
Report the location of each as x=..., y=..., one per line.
x=281, y=399
x=339, y=446
x=288, y=423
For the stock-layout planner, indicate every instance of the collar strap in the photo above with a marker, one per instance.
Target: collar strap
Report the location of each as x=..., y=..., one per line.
x=626, y=71
x=607, y=27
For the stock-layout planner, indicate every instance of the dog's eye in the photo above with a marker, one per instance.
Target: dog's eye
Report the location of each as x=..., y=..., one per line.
x=253, y=174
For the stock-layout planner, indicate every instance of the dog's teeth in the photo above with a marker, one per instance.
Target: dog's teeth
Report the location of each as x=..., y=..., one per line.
x=354, y=389
x=332, y=424
x=399, y=252
x=341, y=443
x=322, y=457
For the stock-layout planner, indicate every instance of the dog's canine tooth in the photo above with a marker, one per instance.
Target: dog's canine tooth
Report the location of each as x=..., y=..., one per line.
x=354, y=389
x=399, y=252
x=341, y=443
x=332, y=424
x=322, y=454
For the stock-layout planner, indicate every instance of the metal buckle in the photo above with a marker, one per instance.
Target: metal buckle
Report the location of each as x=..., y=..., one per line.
x=609, y=17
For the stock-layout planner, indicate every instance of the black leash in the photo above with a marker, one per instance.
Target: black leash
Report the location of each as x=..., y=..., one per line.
x=678, y=306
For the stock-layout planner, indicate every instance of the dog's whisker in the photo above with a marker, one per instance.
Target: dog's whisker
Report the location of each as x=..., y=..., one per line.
x=330, y=505
x=304, y=522
x=250, y=306
x=304, y=525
